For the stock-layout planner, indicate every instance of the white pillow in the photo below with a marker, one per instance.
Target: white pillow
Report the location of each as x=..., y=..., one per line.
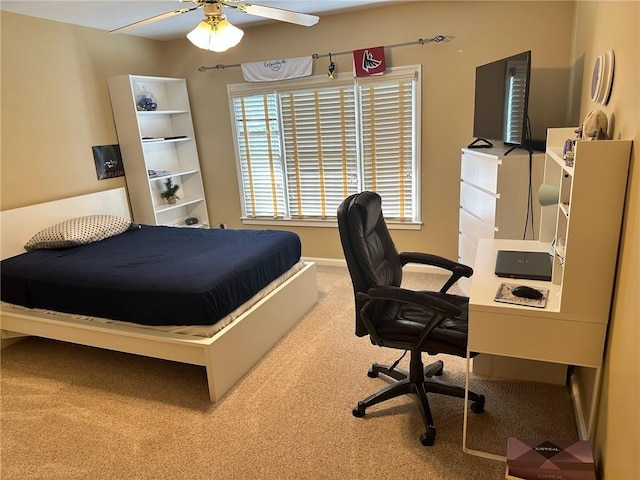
x=78, y=231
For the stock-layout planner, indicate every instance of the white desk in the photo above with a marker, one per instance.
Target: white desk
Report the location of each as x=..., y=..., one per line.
x=547, y=334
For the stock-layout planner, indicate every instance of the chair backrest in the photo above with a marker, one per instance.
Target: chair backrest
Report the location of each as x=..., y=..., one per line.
x=370, y=253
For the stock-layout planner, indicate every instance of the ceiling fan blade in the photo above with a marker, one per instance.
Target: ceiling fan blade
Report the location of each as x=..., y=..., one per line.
x=279, y=14
x=156, y=18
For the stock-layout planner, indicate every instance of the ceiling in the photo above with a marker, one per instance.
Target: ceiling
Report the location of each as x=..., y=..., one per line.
x=111, y=14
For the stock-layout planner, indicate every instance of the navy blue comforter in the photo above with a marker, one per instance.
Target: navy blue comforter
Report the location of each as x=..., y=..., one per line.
x=154, y=275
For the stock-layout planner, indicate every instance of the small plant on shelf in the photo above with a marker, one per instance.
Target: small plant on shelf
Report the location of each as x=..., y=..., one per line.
x=169, y=193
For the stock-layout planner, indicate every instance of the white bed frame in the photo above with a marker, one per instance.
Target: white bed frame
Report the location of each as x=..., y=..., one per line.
x=227, y=356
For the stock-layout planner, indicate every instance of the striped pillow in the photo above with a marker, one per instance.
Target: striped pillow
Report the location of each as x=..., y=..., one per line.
x=78, y=231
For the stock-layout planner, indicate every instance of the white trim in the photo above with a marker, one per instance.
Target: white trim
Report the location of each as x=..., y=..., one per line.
x=247, y=88
x=581, y=424
x=10, y=339
x=585, y=421
x=339, y=262
x=322, y=223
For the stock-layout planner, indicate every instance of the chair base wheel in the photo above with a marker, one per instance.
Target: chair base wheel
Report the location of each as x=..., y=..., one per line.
x=428, y=437
x=372, y=374
x=478, y=405
x=358, y=411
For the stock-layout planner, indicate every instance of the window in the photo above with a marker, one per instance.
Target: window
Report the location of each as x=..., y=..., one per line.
x=303, y=146
x=515, y=106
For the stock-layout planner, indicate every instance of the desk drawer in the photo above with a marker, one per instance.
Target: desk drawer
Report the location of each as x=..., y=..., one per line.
x=474, y=229
x=504, y=331
x=480, y=171
x=481, y=204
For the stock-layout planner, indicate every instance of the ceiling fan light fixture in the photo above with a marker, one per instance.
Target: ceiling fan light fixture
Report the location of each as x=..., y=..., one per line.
x=215, y=33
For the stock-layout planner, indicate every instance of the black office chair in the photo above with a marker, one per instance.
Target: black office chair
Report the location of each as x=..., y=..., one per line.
x=394, y=317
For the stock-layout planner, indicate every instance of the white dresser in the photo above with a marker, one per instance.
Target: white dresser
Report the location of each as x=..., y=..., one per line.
x=494, y=198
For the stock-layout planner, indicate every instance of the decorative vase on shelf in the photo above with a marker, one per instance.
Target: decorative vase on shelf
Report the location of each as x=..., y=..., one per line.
x=146, y=101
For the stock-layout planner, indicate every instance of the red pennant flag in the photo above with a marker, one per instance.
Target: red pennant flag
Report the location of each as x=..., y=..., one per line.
x=369, y=61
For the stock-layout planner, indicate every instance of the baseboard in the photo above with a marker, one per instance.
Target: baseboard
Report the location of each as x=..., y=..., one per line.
x=578, y=410
x=327, y=262
x=340, y=262
x=7, y=342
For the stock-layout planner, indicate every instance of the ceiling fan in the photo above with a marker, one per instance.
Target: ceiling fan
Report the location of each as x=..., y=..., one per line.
x=215, y=33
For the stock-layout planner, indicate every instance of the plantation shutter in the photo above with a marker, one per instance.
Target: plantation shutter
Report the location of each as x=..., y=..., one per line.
x=515, y=101
x=321, y=149
x=302, y=147
x=258, y=145
x=388, y=131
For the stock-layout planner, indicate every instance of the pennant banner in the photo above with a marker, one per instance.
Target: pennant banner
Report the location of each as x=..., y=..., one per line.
x=369, y=61
x=282, y=69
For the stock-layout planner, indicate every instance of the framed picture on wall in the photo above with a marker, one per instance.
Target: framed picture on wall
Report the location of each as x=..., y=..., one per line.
x=108, y=161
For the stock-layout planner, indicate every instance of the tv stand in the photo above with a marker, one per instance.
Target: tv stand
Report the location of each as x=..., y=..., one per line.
x=475, y=144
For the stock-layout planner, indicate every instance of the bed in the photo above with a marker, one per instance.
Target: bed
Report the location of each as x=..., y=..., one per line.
x=227, y=346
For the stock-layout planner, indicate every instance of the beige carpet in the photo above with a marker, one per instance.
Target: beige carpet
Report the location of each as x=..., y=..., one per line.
x=74, y=412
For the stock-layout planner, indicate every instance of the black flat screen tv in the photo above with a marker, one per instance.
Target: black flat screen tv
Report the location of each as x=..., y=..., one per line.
x=501, y=101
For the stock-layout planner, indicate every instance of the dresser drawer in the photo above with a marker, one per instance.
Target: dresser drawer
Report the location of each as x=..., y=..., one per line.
x=474, y=229
x=466, y=251
x=479, y=203
x=480, y=171
x=465, y=285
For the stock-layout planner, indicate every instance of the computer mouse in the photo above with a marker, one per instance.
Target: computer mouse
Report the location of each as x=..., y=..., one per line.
x=526, y=292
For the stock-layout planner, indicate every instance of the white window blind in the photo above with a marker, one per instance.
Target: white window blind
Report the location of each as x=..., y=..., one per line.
x=258, y=146
x=515, y=101
x=303, y=147
x=387, y=118
x=321, y=151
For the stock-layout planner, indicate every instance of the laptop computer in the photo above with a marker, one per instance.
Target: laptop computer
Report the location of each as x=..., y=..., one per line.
x=526, y=265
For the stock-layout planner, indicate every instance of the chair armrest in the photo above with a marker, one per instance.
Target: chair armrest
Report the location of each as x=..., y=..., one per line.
x=439, y=307
x=457, y=270
x=422, y=299
x=436, y=261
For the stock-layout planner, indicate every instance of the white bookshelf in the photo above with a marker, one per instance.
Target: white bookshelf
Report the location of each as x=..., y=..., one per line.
x=147, y=145
x=585, y=225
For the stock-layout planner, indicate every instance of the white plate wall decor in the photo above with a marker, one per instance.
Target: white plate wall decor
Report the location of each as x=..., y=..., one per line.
x=602, y=79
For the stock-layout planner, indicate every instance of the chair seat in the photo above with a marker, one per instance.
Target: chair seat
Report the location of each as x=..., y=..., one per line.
x=403, y=323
